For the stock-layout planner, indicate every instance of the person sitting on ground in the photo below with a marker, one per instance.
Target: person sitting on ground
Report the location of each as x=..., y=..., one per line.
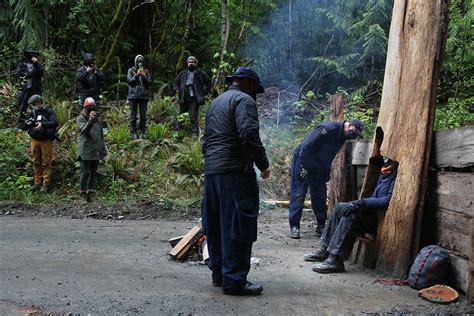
x=349, y=220
x=41, y=126
x=90, y=148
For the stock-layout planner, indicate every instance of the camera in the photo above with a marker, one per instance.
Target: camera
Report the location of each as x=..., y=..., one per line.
x=30, y=122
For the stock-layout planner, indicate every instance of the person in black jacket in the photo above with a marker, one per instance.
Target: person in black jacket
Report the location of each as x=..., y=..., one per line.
x=231, y=146
x=89, y=78
x=139, y=82
x=192, y=84
x=41, y=126
x=30, y=72
x=311, y=167
x=349, y=220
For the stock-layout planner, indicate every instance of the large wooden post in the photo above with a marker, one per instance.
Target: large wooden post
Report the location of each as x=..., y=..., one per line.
x=337, y=186
x=416, y=42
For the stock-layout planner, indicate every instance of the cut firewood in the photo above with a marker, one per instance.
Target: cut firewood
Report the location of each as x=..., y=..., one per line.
x=175, y=240
x=285, y=203
x=181, y=250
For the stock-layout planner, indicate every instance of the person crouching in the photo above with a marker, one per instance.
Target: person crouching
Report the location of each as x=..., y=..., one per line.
x=90, y=148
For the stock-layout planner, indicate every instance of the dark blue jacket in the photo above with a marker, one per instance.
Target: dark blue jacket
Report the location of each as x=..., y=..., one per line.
x=318, y=149
x=380, y=199
x=231, y=141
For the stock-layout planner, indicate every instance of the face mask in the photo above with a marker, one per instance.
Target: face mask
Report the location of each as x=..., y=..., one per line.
x=351, y=134
x=36, y=107
x=140, y=65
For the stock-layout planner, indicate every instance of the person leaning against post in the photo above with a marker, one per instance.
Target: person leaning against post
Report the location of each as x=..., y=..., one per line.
x=41, y=126
x=139, y=82
x=231, y=146
x=90, y=148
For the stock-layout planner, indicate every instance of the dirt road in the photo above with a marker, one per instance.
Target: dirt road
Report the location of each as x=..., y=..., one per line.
x=104, y=266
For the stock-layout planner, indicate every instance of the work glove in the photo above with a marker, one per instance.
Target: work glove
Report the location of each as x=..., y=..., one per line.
x=349, y=209
x=303, y=174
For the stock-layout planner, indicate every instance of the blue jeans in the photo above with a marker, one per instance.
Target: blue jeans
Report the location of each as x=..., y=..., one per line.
x=229, y=219
x=341, y=231
x=298, y=189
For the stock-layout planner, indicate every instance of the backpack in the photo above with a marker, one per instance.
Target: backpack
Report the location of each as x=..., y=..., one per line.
x=430, y=267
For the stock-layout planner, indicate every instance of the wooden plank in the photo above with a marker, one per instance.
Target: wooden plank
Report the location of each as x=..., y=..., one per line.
x=453, y=191
x=452, y=232
x=181, y=249
x=459, y=272
x=175, y=240
x=338, y=184
x=453, y=148
x=414, y=55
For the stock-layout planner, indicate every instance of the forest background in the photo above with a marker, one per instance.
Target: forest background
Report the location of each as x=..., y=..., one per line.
x=304, y=50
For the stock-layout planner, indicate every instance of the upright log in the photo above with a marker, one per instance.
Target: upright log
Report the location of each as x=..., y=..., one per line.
x=337, y=186
x=416, y=42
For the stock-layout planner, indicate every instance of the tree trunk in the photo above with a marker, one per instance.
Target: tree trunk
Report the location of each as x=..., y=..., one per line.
x=225, y=30
x=113, y=48
x=337, y=186
x=416, y=43
x=184, y=39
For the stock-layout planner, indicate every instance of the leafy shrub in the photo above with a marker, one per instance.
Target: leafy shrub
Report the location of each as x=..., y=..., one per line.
x=13, y=154
x=63, y=112
x=454, y=114
x=162, y=108
x=157, y=132
x=189, y=159
x=118, y=134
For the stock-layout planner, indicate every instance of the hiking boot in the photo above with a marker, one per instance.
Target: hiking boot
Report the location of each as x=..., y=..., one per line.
x=83, y=196
x=248, y=290
x=142, y=135
x=35, y=187
x=45, y=189
x=333, y=264
x=320, y=255
x=319, y=230
x=216, y=279
x=294, y=232
x=91, y=196
x=134, y=136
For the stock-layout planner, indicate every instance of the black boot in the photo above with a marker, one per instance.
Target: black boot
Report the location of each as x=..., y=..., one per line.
x=320, y=255
x=248, y=290
x=319, y=230
x=333, y=264
x=216, y=279
x=295, y=232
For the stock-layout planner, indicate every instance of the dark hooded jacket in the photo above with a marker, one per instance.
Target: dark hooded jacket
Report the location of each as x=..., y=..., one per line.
x=89, y=82
x=30, y=74
x=318, y=149
x=49, y=123
x=201, y=87
x=380, y=198
x=231, y=141
x=138, y=86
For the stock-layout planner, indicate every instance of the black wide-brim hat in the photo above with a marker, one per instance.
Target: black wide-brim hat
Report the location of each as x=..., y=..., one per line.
x=246, y=72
